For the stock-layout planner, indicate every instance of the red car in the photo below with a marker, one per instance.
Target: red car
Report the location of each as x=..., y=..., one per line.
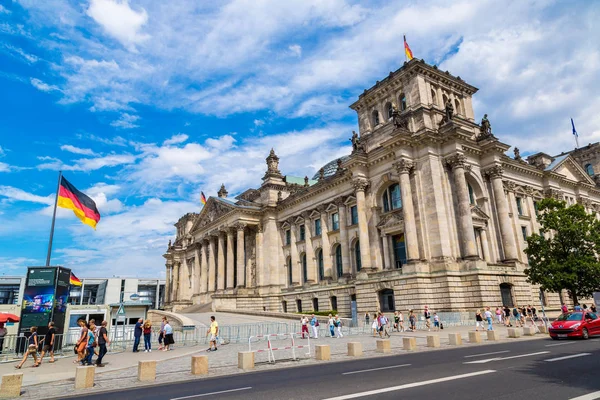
x=576, y=324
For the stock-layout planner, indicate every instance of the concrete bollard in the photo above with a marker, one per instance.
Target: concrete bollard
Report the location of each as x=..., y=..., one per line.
x=84, y=377
x=11, y=385
x=355, y=349
x=543, y=329
x=514, y=332
x=528, y=331
x=322, y=352
x=433, y=340
x=199, y=365
x=493, y=335
x=474, y=337
x=384, y=346
x=410, y=343
x=455, y=339
x=246, y=359
x=146, y=371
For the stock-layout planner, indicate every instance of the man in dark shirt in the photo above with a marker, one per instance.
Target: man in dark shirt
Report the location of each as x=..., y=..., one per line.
x=137, y=334
x=102, y=343
x=48, y=343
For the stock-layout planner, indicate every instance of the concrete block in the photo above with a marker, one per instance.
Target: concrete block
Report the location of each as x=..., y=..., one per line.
x=455, y=339
x=528, y=330
x=355, y=349
x=323, y=352
x=543, y=329
x=384, y=346
x=84, y=377
x=246, y=359
x=433, y=340
x=199, y=365
x=474, y=337
x=146, y=371
x=11, y=385
x=410, y=343
x=493, y=335
x=514, y=332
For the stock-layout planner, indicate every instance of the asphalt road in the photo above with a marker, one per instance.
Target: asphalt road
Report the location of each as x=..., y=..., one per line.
x=520, y=370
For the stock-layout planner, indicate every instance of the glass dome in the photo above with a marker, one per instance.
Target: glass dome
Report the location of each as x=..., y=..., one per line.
x=330, y=168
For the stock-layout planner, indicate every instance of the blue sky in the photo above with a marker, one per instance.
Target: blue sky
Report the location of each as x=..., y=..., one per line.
x=143, y=104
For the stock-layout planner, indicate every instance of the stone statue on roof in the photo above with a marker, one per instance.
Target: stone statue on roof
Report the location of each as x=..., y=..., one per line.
x=449, y=110
x=354, y=139
x=517, y=154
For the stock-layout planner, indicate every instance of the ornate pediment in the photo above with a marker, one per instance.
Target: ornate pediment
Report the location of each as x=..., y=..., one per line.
x=479, y=215
x=213, y=210
x=571, y=170
x=391, y=220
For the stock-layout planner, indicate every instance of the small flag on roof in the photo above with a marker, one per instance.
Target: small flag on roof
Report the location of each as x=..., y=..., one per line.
x=202, y=198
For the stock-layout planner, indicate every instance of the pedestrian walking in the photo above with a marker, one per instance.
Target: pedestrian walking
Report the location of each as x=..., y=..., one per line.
x=499, y=314
x=385, y=323
x=338, y=326
x=304, y=324
x=436, y=322
x=96, y=329
x=478, y=320
x=401, y=321
x=375, y=325
x=48, y=343
x=147, y=336
x=168, y=341
x=90, y=345
x=103, y=343
x=81, y=343
x=396, y=322
x=366, y=320
x=213, y=330
x=330, y=323
x=161, y=334
x=137, y=334
x=314, y=324
x=427, y=315
x=517, y=316
x=3, y=332
x=412, y=319
x=489, y=319
x=32, y=342
x=507, y=316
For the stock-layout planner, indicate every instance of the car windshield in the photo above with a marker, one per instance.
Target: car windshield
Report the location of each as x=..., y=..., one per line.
x=572, y=316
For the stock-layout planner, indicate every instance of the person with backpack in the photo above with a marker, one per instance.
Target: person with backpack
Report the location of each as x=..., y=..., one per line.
x=517, y=316
x=331, y=324
x=338, y=326
x=314, y=324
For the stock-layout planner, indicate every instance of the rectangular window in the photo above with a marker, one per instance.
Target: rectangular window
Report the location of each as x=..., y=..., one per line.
x=354, y=215
x=317, y=227
x=288, y=237
x=535, y=207
x=335, y=221
x=302, y=232
x=520, y=206
x=524, y=232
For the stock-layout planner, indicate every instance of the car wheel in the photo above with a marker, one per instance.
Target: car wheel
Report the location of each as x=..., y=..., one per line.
x=554, y=337
x=585, y=334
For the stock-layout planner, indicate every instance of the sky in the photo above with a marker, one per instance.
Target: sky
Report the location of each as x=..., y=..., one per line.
x=143, y=104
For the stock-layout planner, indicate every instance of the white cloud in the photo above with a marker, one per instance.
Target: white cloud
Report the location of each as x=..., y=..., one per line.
x=77, y=150
x=4, y=10
x=176, y=139
x=44, y=87
x=16, y=194
x=295, y=50
x=126, y=121
x=4, y=167
x=2, y=152
x=258, y=122
x=119, y=20
x=86, y=164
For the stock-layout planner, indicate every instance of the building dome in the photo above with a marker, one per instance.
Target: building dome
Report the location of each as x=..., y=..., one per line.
x=330, y=168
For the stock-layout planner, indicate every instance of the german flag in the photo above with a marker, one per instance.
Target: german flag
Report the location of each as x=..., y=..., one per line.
x=82, y=205
x=407, y=50
x=202, y=198
x=74, y=281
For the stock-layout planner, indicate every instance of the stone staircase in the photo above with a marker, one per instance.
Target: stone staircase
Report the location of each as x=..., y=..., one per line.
x=197, y=309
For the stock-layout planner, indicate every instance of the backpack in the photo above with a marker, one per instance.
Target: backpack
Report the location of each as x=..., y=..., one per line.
x=317, y=323
x=335, y=323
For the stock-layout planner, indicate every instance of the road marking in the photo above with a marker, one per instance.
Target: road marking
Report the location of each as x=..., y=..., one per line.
x=506, y=358
x=560, y=344
x=487, y=354
x=589, y=396
x=411, y=385
x=376, y=369
x=212, y=393
x=568, y=357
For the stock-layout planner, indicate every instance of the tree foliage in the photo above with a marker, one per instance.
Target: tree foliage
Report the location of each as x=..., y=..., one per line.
x=565, y=253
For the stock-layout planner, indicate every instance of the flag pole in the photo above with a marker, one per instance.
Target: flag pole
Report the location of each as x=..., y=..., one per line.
x=404, y=48
x=53, y=220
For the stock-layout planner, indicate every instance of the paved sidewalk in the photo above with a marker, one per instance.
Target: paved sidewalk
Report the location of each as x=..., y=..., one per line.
x=121, y=370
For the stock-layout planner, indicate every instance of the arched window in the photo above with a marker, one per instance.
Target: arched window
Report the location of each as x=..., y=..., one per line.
x=338, y=261
x=289, y=268
x=402, y=101
x=433, y=97
x=389, y=110
x=357, y=256
x=375, y=117
x=386, y=300
x=471, y=194
x=304, y=268
x=589, y=169
x=320, y=264
x=392, y=198
x=457, y=108
x=506, y=294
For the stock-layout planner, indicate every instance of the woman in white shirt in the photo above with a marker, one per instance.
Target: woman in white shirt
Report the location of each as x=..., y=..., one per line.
x=168, y=341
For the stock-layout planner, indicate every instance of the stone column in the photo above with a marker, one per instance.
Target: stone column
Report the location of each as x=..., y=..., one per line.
x=465, y=220
x=241, y=256
x=221, y=262
x=386, y=251
x=506, y=231
x=175, y=281
x=204, y=273
x=408, y=211
x=296, y=269
x=197, y=273
x=260, y=261
x=484, y=244
x=168, y=283
x=230, y=258
x=326, y=249
x=311, y=262
x=212, y=268
x=346, y=267
x=360, y=185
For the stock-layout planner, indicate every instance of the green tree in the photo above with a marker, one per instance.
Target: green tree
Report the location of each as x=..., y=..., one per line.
x=565, y=253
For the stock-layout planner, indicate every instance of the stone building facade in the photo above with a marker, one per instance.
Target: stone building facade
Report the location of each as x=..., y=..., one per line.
x=427, y=209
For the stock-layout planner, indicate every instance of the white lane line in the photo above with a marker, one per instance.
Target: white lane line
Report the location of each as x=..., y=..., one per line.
x=410, y=385
x=560, y=344
x=487, y=354
x=212, y=393
x=506, y=358
x=568, y=357
x=589, y=396
x=376, y=369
